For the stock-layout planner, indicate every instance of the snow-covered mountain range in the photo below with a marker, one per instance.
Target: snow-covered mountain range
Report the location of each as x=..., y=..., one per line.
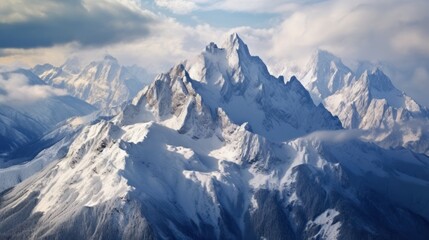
x=366, y=99
x=103, y=83
x=24, y=120
x=217, y=148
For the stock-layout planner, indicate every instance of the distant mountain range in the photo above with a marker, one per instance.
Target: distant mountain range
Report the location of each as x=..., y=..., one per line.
x=218, y=148
x=102, y=84
x=24, y=123
x=367, y=100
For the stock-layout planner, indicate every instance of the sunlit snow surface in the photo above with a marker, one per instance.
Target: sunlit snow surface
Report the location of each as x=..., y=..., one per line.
x=104, y=83
x=180, y=162
x=366, y=99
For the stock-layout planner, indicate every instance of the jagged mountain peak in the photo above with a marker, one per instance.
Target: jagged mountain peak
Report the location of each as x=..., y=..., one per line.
x=322, y=59
x=294, y=79
x=325, y=74
x=296, y=85
x=234, y=43
x=102, y=83
x=232, y=60
x=324, y=56
x=363, y=66
x=379, y=81
x=373, y=103
x=212, y=47
x=72, y=65
x=241, y=86
x=204, y=153
x=41, y=68
x=234, y=50
x=107, y=60
x=108, y=57
x=376, y=82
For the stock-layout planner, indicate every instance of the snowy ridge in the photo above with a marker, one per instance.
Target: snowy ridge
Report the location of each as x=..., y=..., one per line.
x=51, y=147
x=231, y=79
x=366, y=99
x=179, y=163
x=325, y=74
x=239, y=83
x=389, y=116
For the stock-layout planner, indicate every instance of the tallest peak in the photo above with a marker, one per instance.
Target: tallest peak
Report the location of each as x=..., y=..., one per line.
x=234, y=39
x=234, y=42
x=109, y=57
x=235, y=36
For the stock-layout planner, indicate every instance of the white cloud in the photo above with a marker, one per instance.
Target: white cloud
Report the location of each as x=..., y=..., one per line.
x=170, y=44
x=389, y=31
x=336, y=136
x=86, y=22
x=17, y=90
x=258, y=6
x=362, y=29
x=252, y=6
x=393, y=32
x=178, y=6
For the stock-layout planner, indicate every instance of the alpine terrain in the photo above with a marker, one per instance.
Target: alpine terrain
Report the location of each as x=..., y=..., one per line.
x=366, y=99
x=23, y=121
x=217, y=148
x=103, y=83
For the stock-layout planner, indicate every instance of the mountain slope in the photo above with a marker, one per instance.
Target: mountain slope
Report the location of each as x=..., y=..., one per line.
x=102, y=83
x=367, y=100
x=325, y=74
x=231, y=79
x=239, y=83
x=165, y=184
x=42, y=151
x=178, y=163
x=23, y=121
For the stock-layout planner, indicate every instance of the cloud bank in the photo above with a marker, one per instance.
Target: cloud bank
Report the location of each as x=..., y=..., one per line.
x=16, y=89
x=44, y=23
x=390, y=32
x=251, y=6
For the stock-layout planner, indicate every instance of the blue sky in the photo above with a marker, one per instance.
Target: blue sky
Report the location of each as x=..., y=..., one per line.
x=218, y=17
x=225, y=19
x=157, y=34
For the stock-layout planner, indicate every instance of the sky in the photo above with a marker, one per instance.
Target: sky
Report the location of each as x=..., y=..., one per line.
x=160, y=33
